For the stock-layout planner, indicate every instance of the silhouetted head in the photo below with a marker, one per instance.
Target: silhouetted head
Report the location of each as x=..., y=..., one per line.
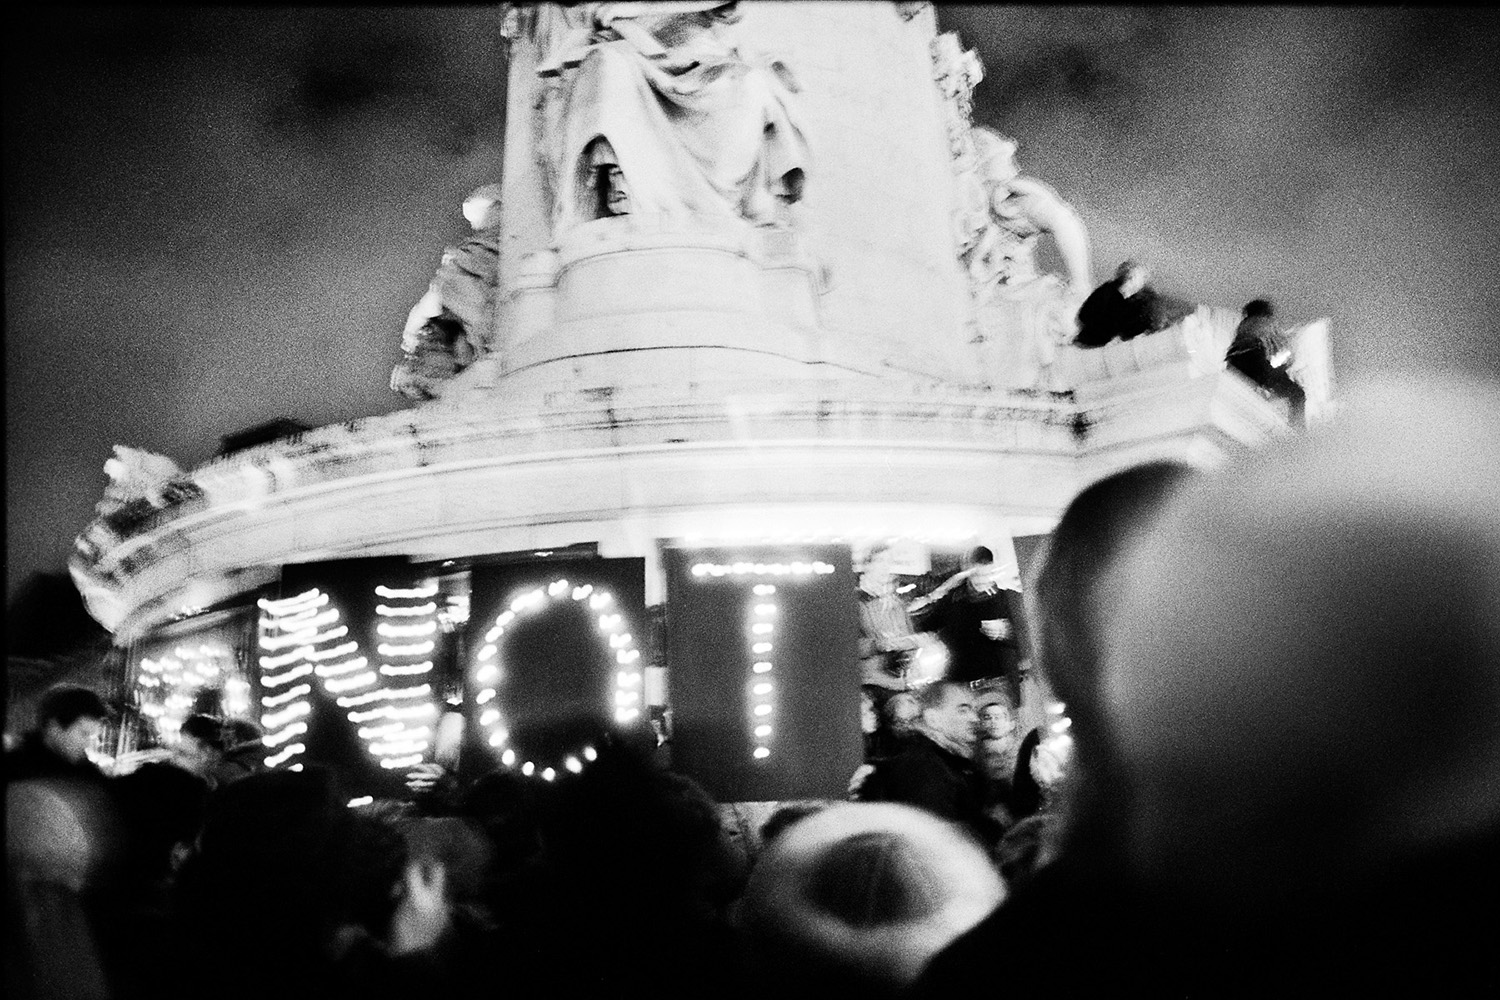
x=1303, y=658
x=1068, y=607
x=71, y=719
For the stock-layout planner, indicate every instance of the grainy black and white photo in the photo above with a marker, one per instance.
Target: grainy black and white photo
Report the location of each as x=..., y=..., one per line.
x=687, y=499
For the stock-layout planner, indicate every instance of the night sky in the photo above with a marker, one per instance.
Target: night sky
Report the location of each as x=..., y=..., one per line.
x=218, y=217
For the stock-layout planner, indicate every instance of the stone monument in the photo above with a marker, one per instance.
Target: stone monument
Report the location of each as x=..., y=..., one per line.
x=750, y=275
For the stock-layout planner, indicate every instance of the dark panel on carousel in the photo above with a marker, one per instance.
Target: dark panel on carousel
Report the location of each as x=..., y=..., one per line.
x=552, y=658
x=764, y=683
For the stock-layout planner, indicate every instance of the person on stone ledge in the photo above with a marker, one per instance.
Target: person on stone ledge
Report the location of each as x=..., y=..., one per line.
x=1125, y=307
x=887, y=641
x=1261, y=353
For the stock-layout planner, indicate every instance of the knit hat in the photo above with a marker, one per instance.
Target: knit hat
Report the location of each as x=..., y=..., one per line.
x=867, y=893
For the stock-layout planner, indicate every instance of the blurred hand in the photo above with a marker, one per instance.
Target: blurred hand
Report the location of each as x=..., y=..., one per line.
x=1048, y=763
x=857, y=780
x=996, y=628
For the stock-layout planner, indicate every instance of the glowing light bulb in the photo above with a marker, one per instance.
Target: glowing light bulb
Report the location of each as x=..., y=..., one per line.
x=528, y=768
x=508, y=757
x=761, y=667
x=573, y=764
x=762, y=709
x=761, y=753
x=590, y=753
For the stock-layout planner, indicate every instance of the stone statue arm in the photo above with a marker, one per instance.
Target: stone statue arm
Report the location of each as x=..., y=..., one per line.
x=428, y=307
x=1047, y=210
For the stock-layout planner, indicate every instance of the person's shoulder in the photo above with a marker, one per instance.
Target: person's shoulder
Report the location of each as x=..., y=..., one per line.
x=30, y=759
x=917, y=753
x=1062, y=912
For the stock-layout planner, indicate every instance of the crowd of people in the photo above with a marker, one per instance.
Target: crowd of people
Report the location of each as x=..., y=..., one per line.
x=1281, y=683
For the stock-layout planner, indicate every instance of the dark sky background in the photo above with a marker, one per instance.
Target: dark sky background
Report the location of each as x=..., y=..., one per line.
x=216, y=217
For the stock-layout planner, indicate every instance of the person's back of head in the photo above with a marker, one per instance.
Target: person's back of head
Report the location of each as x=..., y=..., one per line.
x=1303, y=665
x=503, y=805
x=1259, y=307
x=1066, y=605
x=859, y=896
x=162, y=807
x=268, y=880
x=937, y=694
x=901, y=711
x=65, y=704
x=70, y=720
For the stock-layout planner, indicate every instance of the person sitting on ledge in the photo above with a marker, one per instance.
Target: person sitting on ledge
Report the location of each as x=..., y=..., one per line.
x=1260, y=353
x=1125, y=307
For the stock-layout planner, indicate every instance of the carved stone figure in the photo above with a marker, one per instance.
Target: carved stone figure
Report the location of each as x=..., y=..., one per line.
x=135, y=474
x=957, y=72
x=451, y=323
x=1007, y=213
x=652, y=108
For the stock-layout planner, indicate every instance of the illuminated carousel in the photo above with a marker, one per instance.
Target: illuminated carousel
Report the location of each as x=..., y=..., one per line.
x=752, y=297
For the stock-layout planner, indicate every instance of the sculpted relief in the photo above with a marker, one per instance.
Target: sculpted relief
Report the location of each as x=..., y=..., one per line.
x=1006, y=215
x=450, y=324
x=999, y=217
x=654, y=108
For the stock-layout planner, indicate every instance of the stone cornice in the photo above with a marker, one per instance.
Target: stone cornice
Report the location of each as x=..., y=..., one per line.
x=486, y=466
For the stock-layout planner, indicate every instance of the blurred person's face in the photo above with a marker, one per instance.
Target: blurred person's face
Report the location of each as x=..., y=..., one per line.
x=877, y=578
x=904, y=710
x=868, y=720
x=194, y=754
x=956, y=718
x=998, y=722
x=985, y=577
x=73, y=742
